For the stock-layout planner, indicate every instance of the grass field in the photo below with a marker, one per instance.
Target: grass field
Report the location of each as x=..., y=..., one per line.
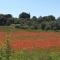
x=29, y=45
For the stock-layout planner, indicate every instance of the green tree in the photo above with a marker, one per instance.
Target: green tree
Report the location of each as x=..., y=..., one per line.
x=8, y=16
x=49, y=18
x=5, y=19
x=24, y=15
x=39, y=19
x=34, y=18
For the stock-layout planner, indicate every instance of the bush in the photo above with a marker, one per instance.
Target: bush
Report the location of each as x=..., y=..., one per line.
x=17, y=25
x=21, y=26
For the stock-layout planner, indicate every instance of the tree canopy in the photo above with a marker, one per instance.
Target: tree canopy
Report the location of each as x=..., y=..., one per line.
x=24, y=15
x=24, y=21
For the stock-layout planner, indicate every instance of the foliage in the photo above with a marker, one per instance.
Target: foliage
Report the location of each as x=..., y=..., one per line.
x=24, y=15
x=41, y=54
x=25, y=22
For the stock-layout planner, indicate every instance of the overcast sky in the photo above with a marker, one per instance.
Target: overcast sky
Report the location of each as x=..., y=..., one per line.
x=34, y=7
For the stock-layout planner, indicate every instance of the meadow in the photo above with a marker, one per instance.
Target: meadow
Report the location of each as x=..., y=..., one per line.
x=29, y=45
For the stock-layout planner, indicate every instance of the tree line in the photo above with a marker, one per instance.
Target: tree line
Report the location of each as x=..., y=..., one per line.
x=24, y=21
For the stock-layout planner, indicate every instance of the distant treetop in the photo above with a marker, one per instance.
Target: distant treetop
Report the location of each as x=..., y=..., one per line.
x=24, y=15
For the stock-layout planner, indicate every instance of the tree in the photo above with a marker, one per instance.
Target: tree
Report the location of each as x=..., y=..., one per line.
x=24, y=15
x=5, y=19
x=49, y=18
x=58, y=19
x=9, y=19
x=44, y=18
x=39, y=19
x=2, y=19
x=34, y=18
x=16, y=21
x=55, y=25
x=43, y=25
x=8, y=16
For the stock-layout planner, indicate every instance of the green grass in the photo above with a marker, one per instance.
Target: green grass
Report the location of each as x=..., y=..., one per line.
x=33, y=30
x=13, y=29
x=41, y=54
x=6, y=29
x=36, y=54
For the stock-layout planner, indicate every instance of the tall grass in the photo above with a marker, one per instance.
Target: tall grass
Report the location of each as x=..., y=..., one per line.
x=41, y=54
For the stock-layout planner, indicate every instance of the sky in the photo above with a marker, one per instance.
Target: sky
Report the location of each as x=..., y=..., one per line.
x=34, y=7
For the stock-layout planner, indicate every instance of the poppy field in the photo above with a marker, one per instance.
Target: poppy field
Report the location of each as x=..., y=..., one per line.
x=32, y=40
x=26, y=45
